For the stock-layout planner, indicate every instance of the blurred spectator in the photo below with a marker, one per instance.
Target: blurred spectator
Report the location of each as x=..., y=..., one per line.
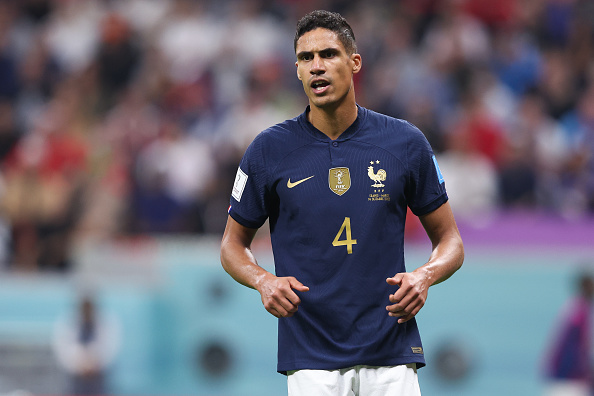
x=493, y=14
x=536, y=157
x=189, y=39
x=44, y=176
x=569, y=362
x=557, y=85
x=578, y=175
x=39, y=75
x=9, y=131
x=117, y=58
x=480, y=129
x=515, y=59
x=557, y=22
x=456, y=38
x=257, y=108
x=581, y=44
x=471, y=178
x=85, y=345
x=9, y=83
x=173, y=174
x=72, y=33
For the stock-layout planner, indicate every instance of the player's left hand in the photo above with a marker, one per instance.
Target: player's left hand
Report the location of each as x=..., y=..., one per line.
x=410, y=296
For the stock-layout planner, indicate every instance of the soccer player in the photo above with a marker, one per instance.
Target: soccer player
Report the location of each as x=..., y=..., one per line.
x=335, y=183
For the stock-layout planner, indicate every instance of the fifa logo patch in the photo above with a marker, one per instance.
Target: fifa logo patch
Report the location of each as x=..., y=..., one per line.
x=339, y=180
x=239, y=185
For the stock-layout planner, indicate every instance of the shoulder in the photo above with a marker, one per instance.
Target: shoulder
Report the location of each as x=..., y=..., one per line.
x=283, y=131
x=391, y=132
x=275, y=142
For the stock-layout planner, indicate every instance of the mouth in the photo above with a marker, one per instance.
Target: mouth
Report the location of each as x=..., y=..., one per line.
x=319, y=86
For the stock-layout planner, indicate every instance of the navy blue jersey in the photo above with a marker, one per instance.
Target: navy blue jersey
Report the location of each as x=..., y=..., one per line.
x=336, y=211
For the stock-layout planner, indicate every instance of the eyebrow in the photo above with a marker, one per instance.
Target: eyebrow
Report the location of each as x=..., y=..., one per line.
x=303, y=53
x=329, y=49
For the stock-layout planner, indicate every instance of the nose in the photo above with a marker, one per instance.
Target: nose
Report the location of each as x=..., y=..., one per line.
x=317, y=65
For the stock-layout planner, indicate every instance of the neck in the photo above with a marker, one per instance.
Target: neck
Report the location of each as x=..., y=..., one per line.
x=334, y=121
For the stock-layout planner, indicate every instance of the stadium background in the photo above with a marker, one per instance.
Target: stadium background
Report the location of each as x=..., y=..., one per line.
x=121, y=126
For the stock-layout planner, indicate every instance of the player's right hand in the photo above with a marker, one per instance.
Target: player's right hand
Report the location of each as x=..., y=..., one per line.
x=278, y=295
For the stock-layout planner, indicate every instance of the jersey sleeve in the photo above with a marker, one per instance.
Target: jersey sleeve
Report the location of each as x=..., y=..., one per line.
x=425, y=189
x=249, y=197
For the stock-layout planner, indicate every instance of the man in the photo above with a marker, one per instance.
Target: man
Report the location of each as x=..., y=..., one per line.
x=569, y=363
x=335, y=183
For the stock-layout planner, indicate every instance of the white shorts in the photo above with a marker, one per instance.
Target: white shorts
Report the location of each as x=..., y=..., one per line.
x=356, y=381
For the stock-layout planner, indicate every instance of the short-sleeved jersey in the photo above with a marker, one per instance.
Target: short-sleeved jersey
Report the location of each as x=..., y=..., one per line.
x=337, y=211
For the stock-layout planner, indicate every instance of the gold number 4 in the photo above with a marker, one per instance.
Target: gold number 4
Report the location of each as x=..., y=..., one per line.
x=348, y=242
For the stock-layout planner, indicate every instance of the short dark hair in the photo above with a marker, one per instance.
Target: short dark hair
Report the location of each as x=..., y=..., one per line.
x=328, y=20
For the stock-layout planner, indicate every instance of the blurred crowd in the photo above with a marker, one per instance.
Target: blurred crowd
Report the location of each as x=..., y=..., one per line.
x=129, y=117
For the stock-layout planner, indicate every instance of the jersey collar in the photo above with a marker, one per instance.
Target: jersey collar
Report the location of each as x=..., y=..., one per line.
x=347, y=134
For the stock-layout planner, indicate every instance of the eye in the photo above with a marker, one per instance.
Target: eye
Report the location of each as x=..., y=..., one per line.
x=328, y=54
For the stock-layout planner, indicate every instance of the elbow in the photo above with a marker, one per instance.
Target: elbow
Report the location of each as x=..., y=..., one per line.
x=224, y=257
x=224, y=253
x=461, y=253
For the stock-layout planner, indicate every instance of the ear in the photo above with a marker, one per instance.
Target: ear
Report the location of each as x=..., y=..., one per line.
x=297, y=66
x=357, y=62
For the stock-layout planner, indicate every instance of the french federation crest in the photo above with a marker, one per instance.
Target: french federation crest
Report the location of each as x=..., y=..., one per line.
x=339, y=180
x=378, y=177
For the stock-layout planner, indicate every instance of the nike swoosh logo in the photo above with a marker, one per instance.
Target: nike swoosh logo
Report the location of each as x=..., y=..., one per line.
x=291, y=185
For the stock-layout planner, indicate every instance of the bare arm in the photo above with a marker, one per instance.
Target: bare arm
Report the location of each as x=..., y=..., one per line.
x=446, y=258
x=238, y=260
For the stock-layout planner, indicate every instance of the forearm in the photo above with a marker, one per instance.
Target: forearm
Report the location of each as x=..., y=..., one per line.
x=278, y=294
x=446, y=258
x=239, y=262
x=447, y=252
x=237, y=257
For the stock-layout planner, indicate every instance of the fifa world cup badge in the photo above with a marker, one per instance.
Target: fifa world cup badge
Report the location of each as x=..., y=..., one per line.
x=339, y=180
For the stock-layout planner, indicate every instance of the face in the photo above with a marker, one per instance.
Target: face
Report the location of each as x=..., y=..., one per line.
x=325, y=69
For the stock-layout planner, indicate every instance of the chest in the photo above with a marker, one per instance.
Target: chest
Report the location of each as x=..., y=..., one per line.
x=325, y=175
